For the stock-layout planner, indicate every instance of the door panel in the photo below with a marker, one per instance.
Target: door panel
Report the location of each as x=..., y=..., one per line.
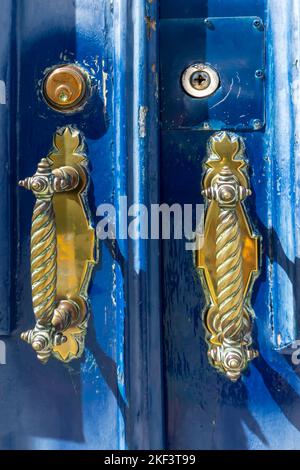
x=261, y=410
x=108, y=399
x=63, y=405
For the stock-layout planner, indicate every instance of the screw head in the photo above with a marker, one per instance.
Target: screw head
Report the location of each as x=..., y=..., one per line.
x=200, y=80
x=259, y=74
x=257, y=124
x=208, y=23
x=257, y=23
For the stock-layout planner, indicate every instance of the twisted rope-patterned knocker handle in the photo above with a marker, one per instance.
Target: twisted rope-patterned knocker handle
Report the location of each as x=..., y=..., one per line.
x=52, y=318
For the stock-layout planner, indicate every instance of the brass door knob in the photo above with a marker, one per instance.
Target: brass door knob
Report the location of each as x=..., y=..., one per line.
x=66, y=88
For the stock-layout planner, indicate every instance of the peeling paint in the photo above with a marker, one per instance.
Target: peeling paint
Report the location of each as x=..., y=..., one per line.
x=2, y=92
x=104, y=86
x=143, y=111
x=151, y=25
x=279, y=340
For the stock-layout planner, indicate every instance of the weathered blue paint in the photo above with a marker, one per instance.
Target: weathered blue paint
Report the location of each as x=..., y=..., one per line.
x=262, y=411
x=6, y=168
x=213, y=41
x=205, y=8
x=136, y=104
x=282, y=150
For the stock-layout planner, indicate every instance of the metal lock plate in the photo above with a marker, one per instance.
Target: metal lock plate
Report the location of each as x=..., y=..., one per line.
x=234, y=48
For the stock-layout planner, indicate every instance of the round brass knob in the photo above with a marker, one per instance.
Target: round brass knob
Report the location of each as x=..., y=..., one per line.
x=65, y=88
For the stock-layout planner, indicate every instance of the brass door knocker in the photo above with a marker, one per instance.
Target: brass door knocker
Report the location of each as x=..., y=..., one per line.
x=228, y=255
x=62, y=250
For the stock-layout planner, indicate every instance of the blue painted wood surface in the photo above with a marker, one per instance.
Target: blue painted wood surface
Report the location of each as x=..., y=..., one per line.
x=136, y=111
x=6, y=168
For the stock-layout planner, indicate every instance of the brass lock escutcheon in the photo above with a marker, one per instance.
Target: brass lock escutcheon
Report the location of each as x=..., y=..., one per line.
x=228, y=255
x=62, y=250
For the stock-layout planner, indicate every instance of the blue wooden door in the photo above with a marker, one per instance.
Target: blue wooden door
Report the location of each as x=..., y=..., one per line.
x=83, y=404
x=144, y=380
x=56, y=406
x=203, y=408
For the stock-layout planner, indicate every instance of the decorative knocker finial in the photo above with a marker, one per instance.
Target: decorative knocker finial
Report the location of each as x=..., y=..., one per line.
x=228, y=256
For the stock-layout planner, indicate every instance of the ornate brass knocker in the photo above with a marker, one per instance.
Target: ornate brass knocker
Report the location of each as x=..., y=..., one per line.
x=228, y=256
x=62, y=250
